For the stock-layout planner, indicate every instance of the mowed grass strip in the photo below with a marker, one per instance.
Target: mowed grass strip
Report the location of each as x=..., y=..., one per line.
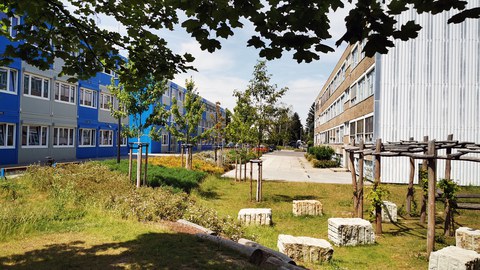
x=402, y=245
x=108, y=243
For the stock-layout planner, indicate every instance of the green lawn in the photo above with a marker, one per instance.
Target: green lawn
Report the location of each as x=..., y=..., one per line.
x=402, y=245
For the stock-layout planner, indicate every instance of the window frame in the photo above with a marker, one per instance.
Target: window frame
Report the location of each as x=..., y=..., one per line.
x=81, y=99
x=5, y=139
x=40, y=137
x=164, y=139
x=93, y=133
x=101, y=105
x=72, y=94
x=71, y=132
x=9, y=70
x=124, y=141
x=44, y=79
x=101, y=137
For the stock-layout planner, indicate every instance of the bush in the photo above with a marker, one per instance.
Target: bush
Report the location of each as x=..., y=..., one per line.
x=178, y=178
x=201, y=162
x=321, y=152
x=245, y=154
x=325, y=163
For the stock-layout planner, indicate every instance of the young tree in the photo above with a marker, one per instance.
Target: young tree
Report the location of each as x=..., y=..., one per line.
x=185, y=126
x=264, y=98
x=218, y=132
x=241, y=128
x=280, y=133
x=310, y=124
x=138, y=94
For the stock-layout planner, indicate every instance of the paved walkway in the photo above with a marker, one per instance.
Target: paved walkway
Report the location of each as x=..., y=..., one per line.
x=293, y=167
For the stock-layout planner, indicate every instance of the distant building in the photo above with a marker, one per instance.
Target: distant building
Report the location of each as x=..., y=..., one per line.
x=426, y=86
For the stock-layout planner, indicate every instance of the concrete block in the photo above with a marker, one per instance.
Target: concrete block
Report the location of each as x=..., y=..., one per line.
x=306, y=249
x=454, y=258
x=255, y=216
x=468, y=238
x=307, y=207
x=350, y=231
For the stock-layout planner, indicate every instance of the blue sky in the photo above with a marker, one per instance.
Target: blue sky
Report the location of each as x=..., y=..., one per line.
x=230, y=68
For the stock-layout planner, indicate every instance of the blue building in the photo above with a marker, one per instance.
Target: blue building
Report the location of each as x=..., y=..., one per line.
x=44, y=115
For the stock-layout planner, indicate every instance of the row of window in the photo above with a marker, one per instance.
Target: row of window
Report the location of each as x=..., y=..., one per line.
x=37, y=86
x=360, y=130
x=355, y=56
x=38, y=136
x=360, y=90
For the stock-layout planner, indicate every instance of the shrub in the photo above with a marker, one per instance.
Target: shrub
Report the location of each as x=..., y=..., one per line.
x=178, y=178
x=200, y=163
x=325, y=163
x=321, y=152
x=245, y=154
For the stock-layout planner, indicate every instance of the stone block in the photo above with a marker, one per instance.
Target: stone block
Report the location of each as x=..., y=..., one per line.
x=307, y=207
x=255, y=216
x=350, y=231
x=454, y=258
x=306, y=249
x=389, y=212
x=468, y=238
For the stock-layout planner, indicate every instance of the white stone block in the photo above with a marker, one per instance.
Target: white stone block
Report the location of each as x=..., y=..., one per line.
x=255, y=216
x=389, y=212
x=468, y=238
x=306, y=249
x=350, y=231
x=307, y=207
x=454, y=258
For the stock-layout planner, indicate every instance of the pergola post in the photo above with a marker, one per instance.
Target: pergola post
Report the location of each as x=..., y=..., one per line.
x=423, y=208
x=449, y=222
x=410, y=191
x=351, y=159
x=378, y=208
x=432, y=171
x=360, y=181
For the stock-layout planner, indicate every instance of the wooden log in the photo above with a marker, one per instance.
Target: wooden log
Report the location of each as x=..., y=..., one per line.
x=410, y=190
x=196, y=226
x=254, y=255
x=272, y=252
x=432, y=171
x=360, y=183
x=377, y=181
x=423, y=206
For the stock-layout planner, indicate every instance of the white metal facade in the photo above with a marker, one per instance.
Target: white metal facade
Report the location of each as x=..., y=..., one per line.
x=430, y=86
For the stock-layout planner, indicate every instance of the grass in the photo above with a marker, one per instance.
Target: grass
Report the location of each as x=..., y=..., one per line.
x=402, y=245
x=104, y=242
x=84, y=216
x=177, y=178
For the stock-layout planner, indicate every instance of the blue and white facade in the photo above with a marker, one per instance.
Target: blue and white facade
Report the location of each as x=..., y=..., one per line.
x=43, y=115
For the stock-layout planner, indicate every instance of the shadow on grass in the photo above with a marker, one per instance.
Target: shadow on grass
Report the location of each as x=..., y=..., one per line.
x=287, y=198
x=148, y=251
x=208, y=194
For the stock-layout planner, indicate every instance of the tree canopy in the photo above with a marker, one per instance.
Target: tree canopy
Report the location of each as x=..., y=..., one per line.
x=69, y=30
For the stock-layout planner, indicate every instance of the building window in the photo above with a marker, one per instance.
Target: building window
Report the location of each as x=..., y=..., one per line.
x=36, y=86
x=124, y=141
x=352, y=131
x=35, y=136
x=14, y=21
x=164, y=139
x=106, y=137
x=360, y=130
x=369, y=129
x=108, y=71
x=65, y=92
x=370, y=82
x=7, y=135
x=88, y=98
x=106, y=100
x=86, y=137
x=355, y=56
x=8, y=80
x=63, y=137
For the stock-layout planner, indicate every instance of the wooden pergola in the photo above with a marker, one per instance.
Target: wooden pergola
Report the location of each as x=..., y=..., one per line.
x=426, y=150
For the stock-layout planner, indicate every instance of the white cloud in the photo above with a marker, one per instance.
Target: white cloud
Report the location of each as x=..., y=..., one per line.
x=205, y=61
x=301, y=94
